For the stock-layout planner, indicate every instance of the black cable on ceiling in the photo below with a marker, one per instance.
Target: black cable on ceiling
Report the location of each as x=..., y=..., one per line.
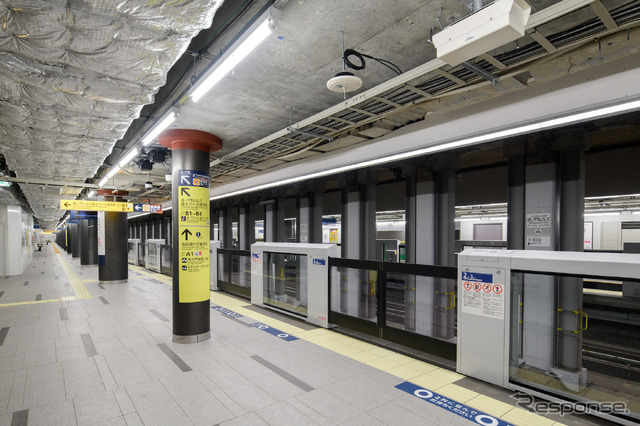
x=350, y=52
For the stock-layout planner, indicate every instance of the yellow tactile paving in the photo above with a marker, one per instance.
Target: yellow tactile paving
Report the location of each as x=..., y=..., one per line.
x=34, y=302
x=405, y=372
x=490, y=405
x=76, y=283
x=429, y=382
x=404, y=367
x=458, y=393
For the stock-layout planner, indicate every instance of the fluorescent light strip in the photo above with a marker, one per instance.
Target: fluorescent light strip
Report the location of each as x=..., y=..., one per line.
x=128, y=157
x=529, y=128
x=241, y=52
x=166, y=122
x=467, y=219
x=113, y=172
x=103, y=181
x=603, y=214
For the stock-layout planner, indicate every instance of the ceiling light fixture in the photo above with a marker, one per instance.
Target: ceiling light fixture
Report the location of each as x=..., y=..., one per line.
x=603, y=214
x=109, y=175
x=468, y=219
x=474, y=140
x=344, y=81
x=166, y=122
x=128, y=157
x=251, y=38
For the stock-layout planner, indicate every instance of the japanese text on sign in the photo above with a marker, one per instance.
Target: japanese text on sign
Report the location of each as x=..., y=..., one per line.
x=483, y=294
x=193, y=233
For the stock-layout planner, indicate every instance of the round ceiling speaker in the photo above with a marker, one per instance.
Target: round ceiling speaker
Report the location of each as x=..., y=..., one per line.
x=344, y=82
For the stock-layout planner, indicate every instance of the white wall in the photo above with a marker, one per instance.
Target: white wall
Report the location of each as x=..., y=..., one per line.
x=19, y=239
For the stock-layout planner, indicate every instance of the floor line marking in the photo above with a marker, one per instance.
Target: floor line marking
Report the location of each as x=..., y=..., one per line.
x=20, y=418
x=174, y=357
x=284, y=374
x=3, y=334
x=89, y=347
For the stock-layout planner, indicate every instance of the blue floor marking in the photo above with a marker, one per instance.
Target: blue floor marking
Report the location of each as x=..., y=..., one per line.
x=451, y=405
x=225, y=311
x=279, y=334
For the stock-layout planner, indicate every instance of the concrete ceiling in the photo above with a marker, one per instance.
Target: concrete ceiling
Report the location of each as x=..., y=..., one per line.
x=64, y=122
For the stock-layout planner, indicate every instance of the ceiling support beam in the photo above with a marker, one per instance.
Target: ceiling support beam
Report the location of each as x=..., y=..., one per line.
x=449, y=76
x=604, y=15
x=493, y=61
x=543, y=41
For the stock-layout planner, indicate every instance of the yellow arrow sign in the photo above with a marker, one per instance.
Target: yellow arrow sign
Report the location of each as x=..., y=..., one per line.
x=104, y=206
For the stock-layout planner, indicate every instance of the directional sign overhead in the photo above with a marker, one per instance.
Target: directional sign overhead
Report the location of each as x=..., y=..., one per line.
x=105, y=206
x=148, y=208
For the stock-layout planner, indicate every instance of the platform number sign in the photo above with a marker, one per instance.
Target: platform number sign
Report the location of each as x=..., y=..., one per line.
x=482, y=293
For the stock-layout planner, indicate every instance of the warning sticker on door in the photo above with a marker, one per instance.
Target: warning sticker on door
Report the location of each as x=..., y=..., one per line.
x=483, y=293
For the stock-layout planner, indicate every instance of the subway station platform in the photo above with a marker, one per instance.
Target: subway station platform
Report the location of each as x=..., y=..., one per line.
x=73, y=351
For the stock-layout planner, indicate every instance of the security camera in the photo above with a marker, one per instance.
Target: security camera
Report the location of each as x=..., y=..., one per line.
x=148, y=185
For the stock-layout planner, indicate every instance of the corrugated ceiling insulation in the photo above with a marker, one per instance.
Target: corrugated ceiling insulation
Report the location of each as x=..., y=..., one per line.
x=74, y=74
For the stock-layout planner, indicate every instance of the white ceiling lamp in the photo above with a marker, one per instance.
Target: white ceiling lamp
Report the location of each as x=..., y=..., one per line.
x=166, y=122
x=251, y=39
x=109, y=175
x=130, y=155
x=602, y=214
x=450, y=145
x=468, y=219
x=344, y=81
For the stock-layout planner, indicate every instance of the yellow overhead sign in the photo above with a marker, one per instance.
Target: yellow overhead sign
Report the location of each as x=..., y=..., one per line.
x=103, y=206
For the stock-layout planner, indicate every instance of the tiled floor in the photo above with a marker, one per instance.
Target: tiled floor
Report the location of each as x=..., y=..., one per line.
x=83, y=353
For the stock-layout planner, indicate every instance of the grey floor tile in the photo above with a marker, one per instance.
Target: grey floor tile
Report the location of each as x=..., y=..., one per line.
x=60, y=413
x=5, y=419
x=329, y=406
x=364, y=420
x=39, y=394
x=204, y=408
x=389, y=414
x=250, y=419
x=182, y=385
x=44, y=373
x=169, y=414
x=285, y=413
x=248, y=395
x=124, y=402
x=361, y=395
x=133, y=419
x=97, y=407
x=148, y=394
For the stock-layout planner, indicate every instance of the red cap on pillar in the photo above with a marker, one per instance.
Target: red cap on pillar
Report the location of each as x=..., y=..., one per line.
x=190, y=139
x=111, y=193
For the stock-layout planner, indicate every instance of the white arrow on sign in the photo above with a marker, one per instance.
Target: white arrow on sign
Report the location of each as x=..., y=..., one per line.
x=185, y=180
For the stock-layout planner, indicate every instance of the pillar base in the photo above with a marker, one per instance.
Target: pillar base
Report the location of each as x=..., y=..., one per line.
x=113, y=282
x=193, y=338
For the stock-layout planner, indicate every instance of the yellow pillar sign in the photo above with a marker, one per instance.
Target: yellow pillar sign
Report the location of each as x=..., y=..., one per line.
x=193, y=236
x=105, y=206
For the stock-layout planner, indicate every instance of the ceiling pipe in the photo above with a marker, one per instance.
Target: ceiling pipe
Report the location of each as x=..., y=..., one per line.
x=548, y=14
